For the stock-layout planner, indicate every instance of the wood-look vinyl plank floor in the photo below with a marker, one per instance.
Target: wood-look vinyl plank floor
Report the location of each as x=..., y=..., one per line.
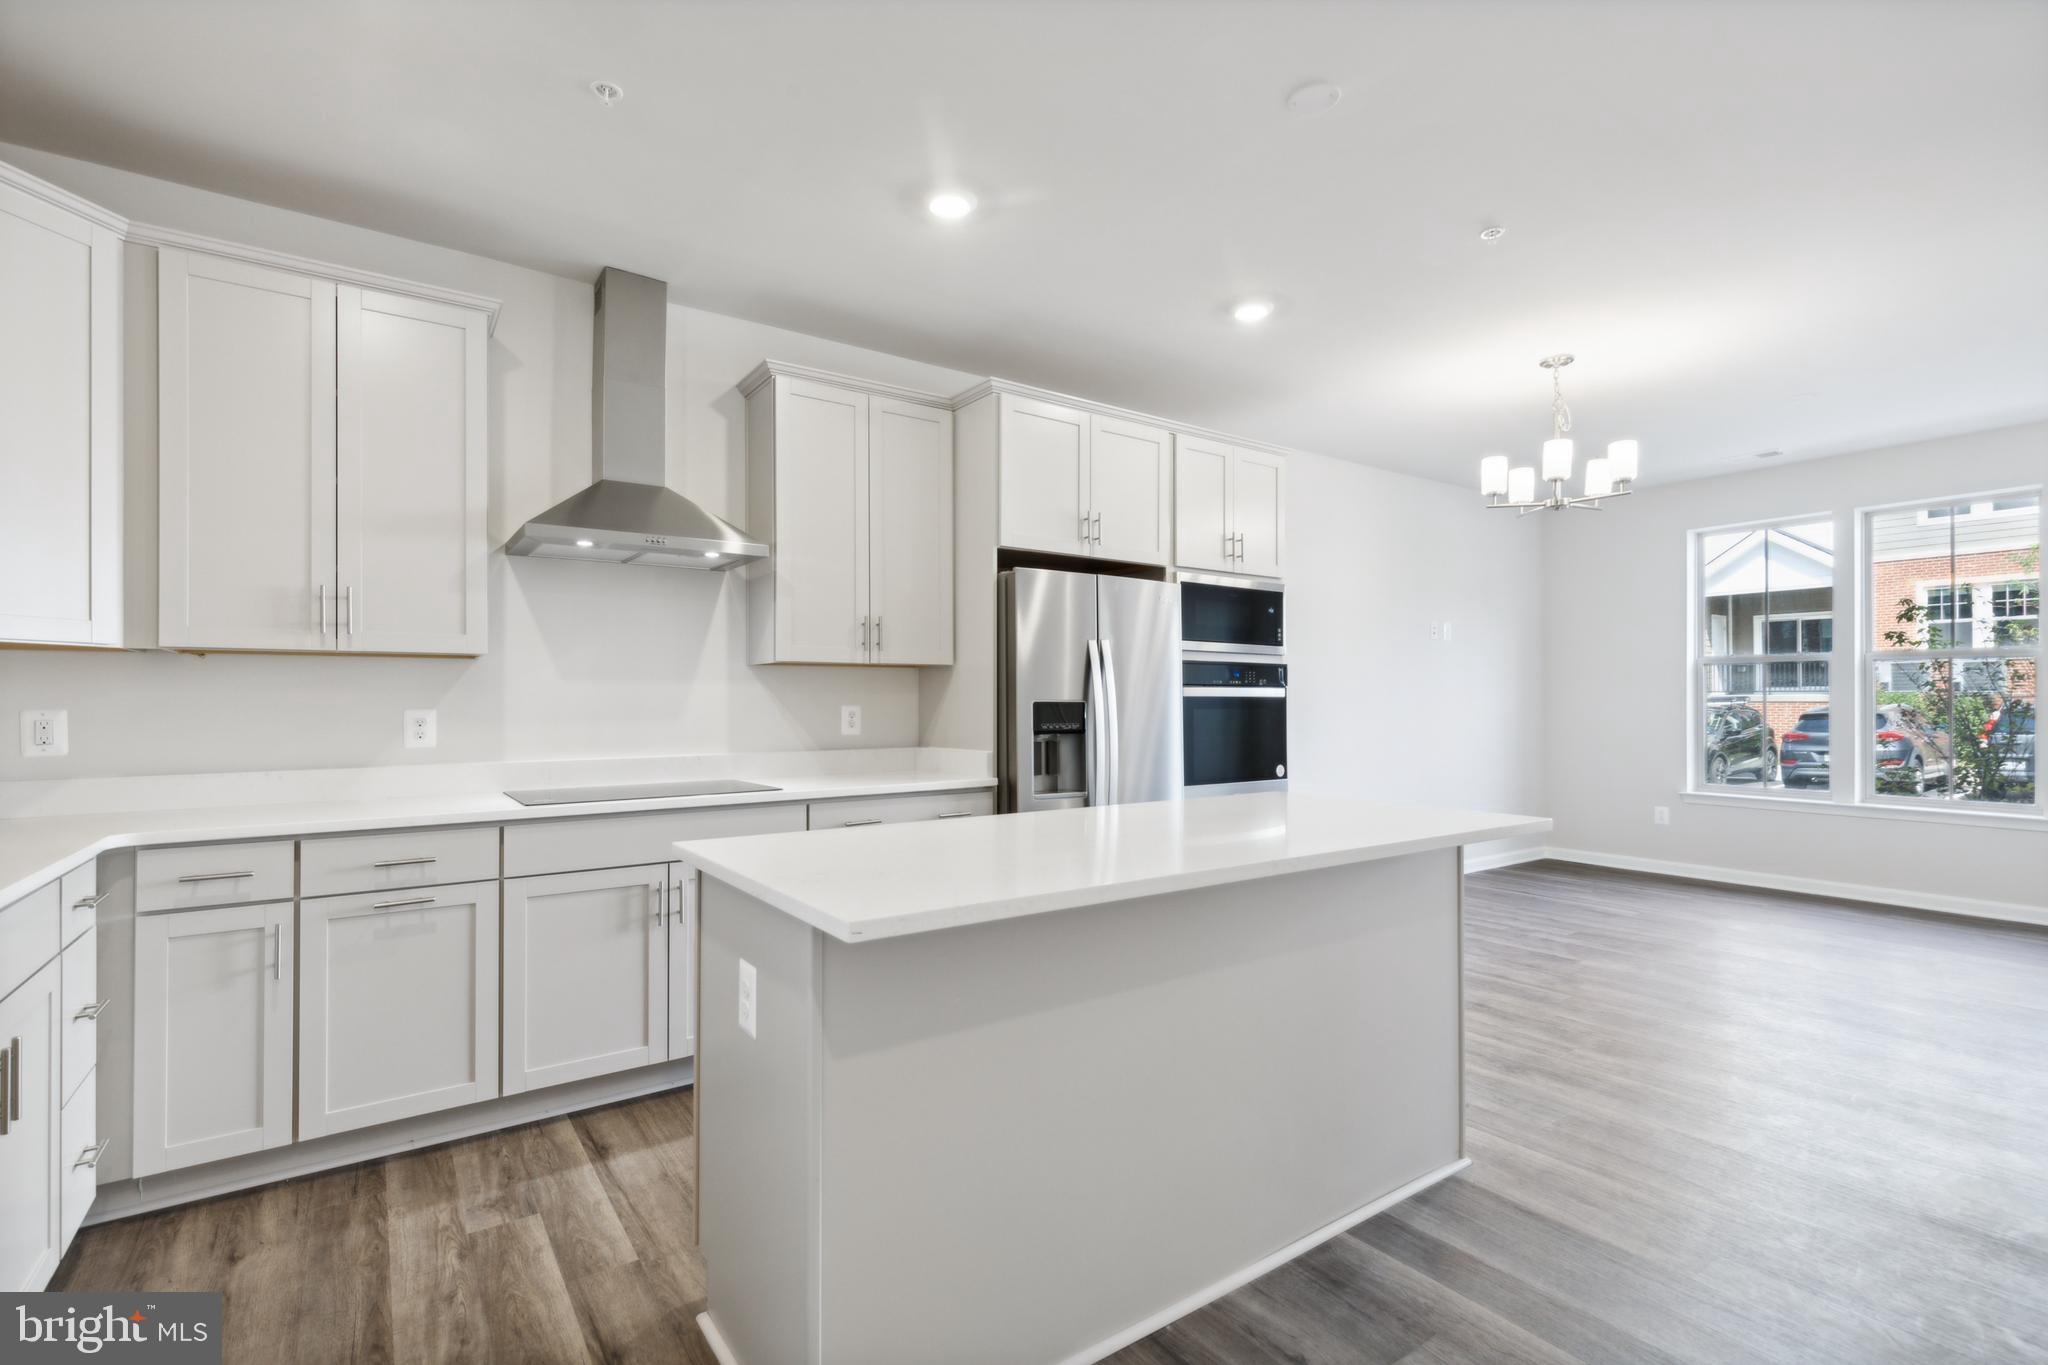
x=1708, y=1126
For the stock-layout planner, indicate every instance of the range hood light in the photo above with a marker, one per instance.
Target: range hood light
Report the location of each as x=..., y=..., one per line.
x=585, y=544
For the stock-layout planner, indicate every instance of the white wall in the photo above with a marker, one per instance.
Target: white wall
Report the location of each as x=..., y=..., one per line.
x=584, y=659
x=1616, y=663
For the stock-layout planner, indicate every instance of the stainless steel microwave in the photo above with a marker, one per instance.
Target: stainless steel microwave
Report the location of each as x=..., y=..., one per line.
x=1220, y=615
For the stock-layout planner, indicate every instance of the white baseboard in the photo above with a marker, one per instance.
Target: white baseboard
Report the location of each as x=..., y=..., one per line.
x=146, y=1194
x=1486, y=862
x=716, y=1342
x=1238, y=1278
x=1968, y=906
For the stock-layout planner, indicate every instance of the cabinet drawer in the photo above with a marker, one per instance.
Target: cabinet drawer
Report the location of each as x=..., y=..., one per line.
x=186, y=878
x=80, y=899
x=78, y=1155
x=28, y=936
x=397, y=860
x=79, y=1007
x=541, y=846
x=889, y=810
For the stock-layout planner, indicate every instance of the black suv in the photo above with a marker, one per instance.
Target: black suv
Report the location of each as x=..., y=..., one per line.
x=1738, y=741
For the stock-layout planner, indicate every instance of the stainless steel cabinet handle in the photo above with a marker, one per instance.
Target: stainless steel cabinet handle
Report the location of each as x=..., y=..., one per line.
x=848, y=824
x=406, y=862
x=214, y=876
x=953, y=814
x=660, y=902
x=320, y=608
x=348, y=600
x=400, y=905
x=90, y=1157
x=276, y=955
x=91, y=902
x=1098, y=528
x=14, y=1081
x=863, y=634
x=878, y=635
x=8, y=1061
x=1086, y=522
x=91, y=1011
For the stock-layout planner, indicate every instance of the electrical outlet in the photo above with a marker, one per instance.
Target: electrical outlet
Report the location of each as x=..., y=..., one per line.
x=45, y=734
x=1436, y=631
x=422, y=729
x=1661, y=814
x=849, y=720
x=748, y=994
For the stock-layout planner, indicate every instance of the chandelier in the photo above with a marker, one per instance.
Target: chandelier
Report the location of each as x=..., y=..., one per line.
x=1606, y=477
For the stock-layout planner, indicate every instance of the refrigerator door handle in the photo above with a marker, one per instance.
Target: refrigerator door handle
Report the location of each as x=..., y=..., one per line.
x=1112, y=789
x=1096, y=720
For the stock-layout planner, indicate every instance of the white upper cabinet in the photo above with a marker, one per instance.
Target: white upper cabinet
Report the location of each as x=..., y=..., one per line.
x=410, y=474
x=322, y=464
x=1130, y=478
x=245, y=497
x=910, y=532
x=60, y=419
x=1229, y=507
x=1044, y=462
x=854, y=489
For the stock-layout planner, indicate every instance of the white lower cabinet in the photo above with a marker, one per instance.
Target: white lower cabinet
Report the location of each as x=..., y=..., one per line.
x=586, y=974
x=213, y=1034
x=398, y=1005
x=78, y=1157
x=682, y=962
x=29, y=1133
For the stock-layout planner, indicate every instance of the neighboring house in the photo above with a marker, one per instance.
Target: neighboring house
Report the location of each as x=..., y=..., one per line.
x=1797, y=563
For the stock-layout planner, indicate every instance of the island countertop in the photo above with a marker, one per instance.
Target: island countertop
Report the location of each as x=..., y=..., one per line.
x=884, y=881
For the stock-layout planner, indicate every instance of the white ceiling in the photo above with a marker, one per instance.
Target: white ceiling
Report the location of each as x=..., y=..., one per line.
x=1800, y=224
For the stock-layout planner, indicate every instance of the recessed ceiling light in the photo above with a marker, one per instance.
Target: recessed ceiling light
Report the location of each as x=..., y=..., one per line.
x=951, y=205
x=1314, y=98
x=1492, y=234
x=585, y=544
x=608, y=92
x=1252, y=310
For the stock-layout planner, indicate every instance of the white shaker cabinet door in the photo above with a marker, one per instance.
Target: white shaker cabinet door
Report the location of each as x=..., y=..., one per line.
x=60, y=425
x=246, y=509
x=586, y=974
x=410, y=475
x=398, y=1005
x=1131, y=481
x=1201, y=505
x=1044, y=477
x=910, y=532
x=1258, y=497
x=30, y=1176
x=213, y=1034
x=821, y=523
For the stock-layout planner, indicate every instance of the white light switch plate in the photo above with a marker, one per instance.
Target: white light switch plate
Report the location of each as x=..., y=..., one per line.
x=45, y=734
x=849, y=720
x=748, y=982
x=422, y=729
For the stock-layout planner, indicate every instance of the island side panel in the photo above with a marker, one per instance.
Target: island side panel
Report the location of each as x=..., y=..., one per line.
x=757, y=1125
x=1043, y=1131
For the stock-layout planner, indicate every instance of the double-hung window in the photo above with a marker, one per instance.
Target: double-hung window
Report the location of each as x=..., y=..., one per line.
x=1765, y=632
x=1952, y=652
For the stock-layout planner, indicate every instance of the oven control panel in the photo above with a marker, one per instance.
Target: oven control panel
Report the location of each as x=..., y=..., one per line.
x=1195, y=673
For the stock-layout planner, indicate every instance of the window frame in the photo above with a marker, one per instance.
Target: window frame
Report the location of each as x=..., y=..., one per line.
x=1869, y=656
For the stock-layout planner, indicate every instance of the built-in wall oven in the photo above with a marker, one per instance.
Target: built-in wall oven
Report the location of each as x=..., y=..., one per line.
x=1233, y=715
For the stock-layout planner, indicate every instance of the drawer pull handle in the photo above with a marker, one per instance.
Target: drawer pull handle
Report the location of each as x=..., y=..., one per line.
x=849, y=824
x=954, y=814
x=91, y=902
x=10, y=1085
x=91, y=1011
x=215, y=876
x=400, y=905
x=90, y=1157
x=406, y=862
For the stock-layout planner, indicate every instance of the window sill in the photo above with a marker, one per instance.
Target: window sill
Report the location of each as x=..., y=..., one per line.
x=2032, y=820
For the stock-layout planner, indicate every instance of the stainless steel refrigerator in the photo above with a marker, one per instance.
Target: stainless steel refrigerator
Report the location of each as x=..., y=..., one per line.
x=1090, y=690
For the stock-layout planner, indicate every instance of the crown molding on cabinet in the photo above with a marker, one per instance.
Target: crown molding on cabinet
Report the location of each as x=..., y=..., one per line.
x=62, y=198
x=769, y=369
x=151, y=234
x=1068, y=400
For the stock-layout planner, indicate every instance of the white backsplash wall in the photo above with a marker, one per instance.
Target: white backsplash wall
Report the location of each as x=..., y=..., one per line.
x=584, y=659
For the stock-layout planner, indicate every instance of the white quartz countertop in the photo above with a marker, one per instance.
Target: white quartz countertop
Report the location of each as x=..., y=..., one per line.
x=35, y=849
x=882, y=881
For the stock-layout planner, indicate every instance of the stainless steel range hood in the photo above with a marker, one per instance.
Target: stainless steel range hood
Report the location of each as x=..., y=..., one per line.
x=629, y=514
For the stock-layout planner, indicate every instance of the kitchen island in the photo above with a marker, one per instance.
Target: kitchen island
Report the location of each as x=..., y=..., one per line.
x=1024, y=1088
